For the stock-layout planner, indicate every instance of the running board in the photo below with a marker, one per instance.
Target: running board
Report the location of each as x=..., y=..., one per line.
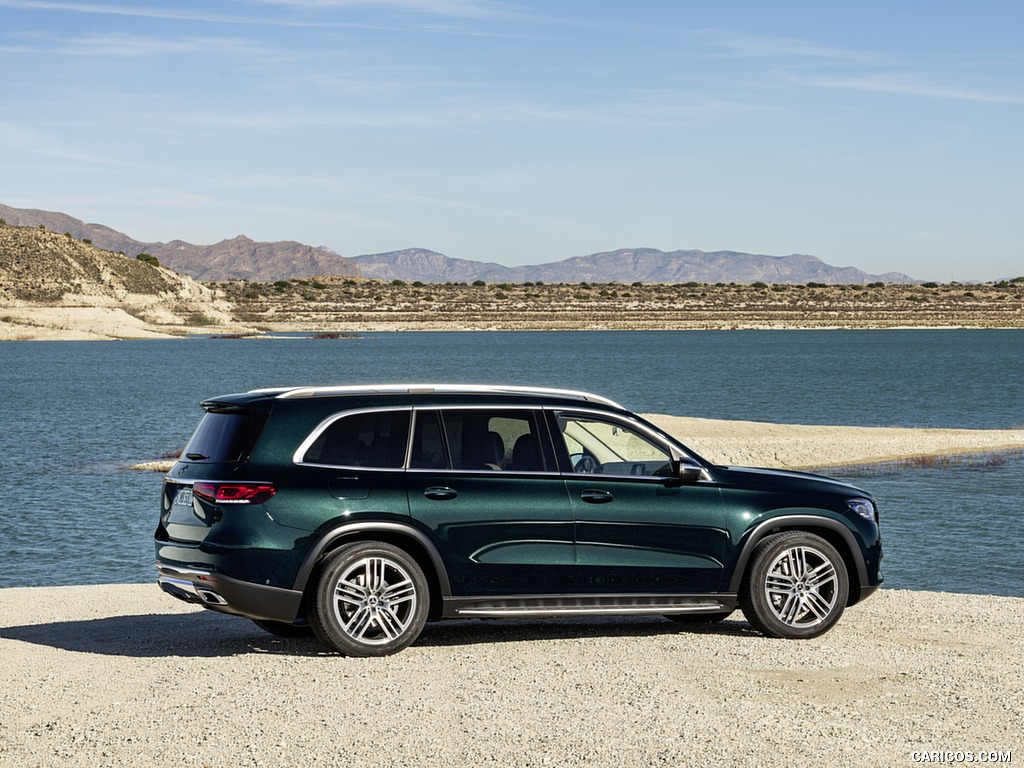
x=587, y=605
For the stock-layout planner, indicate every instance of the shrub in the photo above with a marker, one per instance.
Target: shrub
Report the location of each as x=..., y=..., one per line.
x=479, y=283
x=148, y=258
x=198, y=318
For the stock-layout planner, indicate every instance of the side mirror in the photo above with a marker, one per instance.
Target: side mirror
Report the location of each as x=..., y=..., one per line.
x=687, y=470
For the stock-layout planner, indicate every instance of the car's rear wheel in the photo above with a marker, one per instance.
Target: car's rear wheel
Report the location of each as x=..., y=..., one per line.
x=796, y=586
x=371, y=599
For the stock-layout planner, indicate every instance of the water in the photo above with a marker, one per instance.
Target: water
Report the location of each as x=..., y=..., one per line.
x=75, y=414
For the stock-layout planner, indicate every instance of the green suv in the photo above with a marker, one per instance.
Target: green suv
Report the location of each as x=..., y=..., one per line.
x=361, y=512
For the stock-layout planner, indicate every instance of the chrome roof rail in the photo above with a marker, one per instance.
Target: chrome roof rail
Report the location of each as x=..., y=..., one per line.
x=467, y=389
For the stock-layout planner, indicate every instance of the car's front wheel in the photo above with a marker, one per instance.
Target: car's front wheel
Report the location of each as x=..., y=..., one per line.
x=371, y=600
x=796, y=586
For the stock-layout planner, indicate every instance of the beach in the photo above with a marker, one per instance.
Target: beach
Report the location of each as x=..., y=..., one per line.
x=125, y=675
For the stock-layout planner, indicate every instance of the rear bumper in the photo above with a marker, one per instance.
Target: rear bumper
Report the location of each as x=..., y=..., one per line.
x=221, y=593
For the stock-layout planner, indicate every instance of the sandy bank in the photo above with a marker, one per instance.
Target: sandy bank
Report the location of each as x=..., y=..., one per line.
x=98, y=323
x=123, y=675
x=798, y=446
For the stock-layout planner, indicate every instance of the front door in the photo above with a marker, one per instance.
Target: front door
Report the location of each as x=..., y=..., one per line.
x=638, y=530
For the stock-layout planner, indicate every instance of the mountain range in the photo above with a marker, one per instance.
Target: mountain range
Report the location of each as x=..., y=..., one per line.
x=241, y=258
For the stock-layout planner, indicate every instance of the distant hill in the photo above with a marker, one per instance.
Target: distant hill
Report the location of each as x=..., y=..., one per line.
x=37, y=265
x=237, y=259
x=420, y=264
x=646, y=265
x=244, y=259
x=52, y=285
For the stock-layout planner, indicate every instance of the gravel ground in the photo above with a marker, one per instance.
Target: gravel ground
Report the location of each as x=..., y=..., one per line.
x=122, y=675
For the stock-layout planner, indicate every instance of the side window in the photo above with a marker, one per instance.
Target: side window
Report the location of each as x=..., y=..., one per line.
x=478, y=439
x=608, y=447
x=363, y=440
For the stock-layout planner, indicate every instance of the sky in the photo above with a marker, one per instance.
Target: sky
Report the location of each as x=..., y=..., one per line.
x=887, y=136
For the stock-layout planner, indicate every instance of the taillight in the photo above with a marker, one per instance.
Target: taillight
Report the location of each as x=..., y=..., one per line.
x=234, y=493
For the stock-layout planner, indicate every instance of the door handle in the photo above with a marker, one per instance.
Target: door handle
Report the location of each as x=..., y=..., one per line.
x=440, y=492
x=596, y=497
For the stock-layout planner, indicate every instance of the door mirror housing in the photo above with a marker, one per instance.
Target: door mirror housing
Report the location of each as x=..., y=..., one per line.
x=686, y=470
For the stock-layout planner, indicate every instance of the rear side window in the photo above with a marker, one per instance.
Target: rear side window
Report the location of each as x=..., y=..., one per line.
x=477, y=439
x=376, y=439
x=224, y=436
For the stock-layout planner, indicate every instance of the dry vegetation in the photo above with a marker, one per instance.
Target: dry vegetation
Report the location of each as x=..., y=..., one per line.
x=42, y=272
x=352, y=303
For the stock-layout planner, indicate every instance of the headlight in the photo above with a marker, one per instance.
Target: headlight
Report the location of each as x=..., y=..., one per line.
x=863, y=507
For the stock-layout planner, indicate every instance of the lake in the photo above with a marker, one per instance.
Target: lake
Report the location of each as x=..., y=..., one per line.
x=75, y=414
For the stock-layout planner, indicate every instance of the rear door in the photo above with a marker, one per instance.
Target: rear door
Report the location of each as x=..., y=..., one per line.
x=352, y=469
x=483, y=484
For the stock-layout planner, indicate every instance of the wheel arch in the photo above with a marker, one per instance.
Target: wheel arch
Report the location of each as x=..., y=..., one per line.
x=832, y=531
x=405, y=537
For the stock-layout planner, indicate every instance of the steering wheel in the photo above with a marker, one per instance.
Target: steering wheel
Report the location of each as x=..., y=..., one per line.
x=586, y=465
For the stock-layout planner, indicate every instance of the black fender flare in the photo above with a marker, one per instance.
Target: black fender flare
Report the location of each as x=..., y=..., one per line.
x=802, y=522
x=361, y=528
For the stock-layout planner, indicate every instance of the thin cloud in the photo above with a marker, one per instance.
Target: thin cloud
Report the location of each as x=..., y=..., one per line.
x=766, y=46
x=25, y=140
x=909, y=87
x=461, y=9
x=131, y=46
x=466, y=9
x=119, y=10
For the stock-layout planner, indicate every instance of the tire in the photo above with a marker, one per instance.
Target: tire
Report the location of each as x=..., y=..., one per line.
x=280, y=629
x=698, y=618
x=371, y=599
x=796, y=586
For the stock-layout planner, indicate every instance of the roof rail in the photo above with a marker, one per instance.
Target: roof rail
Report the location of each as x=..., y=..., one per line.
x=355, y=389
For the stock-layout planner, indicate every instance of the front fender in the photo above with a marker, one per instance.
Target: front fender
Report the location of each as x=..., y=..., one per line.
x=853, y=554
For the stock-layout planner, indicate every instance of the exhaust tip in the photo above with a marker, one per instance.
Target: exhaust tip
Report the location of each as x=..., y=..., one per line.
x=211, y=598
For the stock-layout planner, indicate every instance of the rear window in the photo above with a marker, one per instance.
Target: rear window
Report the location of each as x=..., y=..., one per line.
x=222, y=436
